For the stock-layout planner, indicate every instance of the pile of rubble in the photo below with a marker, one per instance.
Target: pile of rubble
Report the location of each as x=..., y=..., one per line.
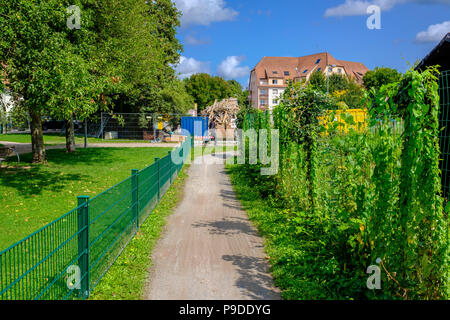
x=222, y=113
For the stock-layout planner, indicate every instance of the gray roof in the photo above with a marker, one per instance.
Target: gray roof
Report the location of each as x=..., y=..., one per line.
x=439, y=55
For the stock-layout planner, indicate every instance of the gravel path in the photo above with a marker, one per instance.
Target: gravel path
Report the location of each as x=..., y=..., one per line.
x=26, y=147
x=210, y=250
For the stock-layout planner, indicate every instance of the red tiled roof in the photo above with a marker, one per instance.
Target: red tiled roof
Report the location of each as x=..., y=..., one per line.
x=302, y=66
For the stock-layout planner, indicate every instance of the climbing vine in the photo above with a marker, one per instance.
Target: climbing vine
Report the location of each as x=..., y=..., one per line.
x=366, y=194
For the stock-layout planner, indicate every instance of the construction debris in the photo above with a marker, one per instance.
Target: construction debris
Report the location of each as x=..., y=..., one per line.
x=222, y=113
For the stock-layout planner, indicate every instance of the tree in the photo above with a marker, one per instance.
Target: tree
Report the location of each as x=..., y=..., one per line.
x=380, y=76
x=175, y=99
x=122, y=55
x=318, y=81
x=32, y=36
x=337, y=82
x=344, y=89
x=141, y=48
x=205, y=89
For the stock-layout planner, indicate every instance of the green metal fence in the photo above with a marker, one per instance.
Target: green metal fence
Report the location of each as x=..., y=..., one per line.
x=68, y=257
x=444, y=119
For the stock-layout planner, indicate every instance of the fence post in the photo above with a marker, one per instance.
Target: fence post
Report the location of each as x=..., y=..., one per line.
x=170, y=166
x=135, y=195
x=157, y=165
x=83, y=244
x=192, y=152
x=182, y=160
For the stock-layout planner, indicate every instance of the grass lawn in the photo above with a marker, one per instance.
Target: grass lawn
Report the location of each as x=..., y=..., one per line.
x=127, y=277
x=33, y=195
x=54, y=138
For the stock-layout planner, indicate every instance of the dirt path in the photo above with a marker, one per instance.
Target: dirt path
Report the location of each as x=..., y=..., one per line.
x=26, y=147
x=210, y=250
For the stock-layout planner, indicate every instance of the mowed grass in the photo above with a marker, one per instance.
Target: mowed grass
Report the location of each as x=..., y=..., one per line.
x=33, y=195
x=54, y=138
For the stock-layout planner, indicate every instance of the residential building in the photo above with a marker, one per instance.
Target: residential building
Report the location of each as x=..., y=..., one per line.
x=271, y=75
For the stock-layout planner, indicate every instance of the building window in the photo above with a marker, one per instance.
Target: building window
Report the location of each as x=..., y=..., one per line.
x=330, y=69
x=275, y=91
x=339, y=70
x=306, y=70
x=262, y=91
x=275, y=72
x=286, y=73
x=318, y=60
x=263, y=102
x=275, y=81
x=319, y=69
x=274, y=101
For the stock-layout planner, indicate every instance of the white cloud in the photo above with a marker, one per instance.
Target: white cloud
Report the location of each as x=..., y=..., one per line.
x=192, y=40
x=204, y=12
x=359, y=7
x=230, y=69
x=434, y=33
x=189, y=66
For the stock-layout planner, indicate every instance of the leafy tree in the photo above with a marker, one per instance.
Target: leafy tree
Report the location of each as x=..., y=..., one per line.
x=31, y=41
x=345, y=90
x=147, y=47
x=379, y=77
x=318, y=81
x=175, y=99
x=337, y=82
x=121, y=55
x=205, y=89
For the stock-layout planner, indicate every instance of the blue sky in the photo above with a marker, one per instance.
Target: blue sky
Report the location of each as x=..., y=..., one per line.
x=229, y=37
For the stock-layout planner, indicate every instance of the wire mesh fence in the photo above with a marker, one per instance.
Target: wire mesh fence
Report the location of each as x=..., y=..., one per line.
x=444, y=119
x=68, y=257
x=154, y=127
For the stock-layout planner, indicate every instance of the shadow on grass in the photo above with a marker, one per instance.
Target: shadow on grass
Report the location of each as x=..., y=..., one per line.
x=31, y=179
x=34, y=180
x=92, y=156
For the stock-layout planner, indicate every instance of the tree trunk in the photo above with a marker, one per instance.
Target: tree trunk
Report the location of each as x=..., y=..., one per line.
x=70, y=135
x=37, y=138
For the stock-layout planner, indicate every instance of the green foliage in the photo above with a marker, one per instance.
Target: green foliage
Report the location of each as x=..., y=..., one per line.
x=346, y=199
x=318, y=81
x=297, y=118
x=380, y=76
x=122, y=56
x=205, y=89
x=346, y=92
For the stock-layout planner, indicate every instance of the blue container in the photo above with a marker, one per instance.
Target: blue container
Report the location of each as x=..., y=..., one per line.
x=196, y=126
